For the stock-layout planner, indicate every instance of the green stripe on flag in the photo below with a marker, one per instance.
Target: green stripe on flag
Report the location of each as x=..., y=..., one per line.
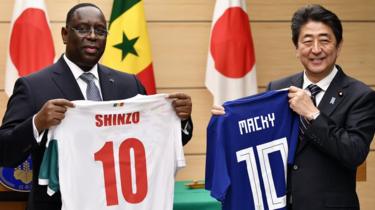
x=121, y=6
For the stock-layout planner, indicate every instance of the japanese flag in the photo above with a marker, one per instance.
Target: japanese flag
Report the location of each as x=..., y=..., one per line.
x=30, y=44
x=231, y=61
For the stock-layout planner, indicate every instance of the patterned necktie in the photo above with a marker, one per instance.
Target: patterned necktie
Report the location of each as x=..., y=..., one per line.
x=304, y=123
x=92, y=91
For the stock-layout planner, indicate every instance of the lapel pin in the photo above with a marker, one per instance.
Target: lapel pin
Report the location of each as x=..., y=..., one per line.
x=333, y=99
x=340, y=93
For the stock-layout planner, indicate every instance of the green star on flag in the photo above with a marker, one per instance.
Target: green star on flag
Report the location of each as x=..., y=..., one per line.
x=128, y=35
x=127, y=46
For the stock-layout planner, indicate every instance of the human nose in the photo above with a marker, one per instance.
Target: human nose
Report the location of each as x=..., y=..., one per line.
x=92, y=33
x=316, y=48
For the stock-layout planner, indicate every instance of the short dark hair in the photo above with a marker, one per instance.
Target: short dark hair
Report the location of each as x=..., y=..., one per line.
x=70, y=14
x=316, y=13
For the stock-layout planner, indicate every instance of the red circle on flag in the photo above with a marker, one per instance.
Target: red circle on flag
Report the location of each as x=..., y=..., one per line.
x=231, y=44
x=31, y=44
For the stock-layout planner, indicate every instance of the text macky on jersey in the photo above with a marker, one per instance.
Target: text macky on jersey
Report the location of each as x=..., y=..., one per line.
x=257, y=123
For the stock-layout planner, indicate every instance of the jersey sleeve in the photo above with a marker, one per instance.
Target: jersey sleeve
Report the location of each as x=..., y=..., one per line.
x=48, y=174
x=217, y=177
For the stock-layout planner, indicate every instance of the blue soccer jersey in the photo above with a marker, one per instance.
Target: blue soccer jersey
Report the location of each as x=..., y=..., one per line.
x=248, y=150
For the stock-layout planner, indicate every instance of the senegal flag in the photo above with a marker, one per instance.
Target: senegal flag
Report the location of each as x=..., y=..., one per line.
x=128, y=47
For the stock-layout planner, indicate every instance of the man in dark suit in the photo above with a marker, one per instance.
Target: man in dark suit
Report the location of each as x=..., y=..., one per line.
x=337, y=116
x=40, y=100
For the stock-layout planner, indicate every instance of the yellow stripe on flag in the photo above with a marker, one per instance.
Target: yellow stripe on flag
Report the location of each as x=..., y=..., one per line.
x=133, y=24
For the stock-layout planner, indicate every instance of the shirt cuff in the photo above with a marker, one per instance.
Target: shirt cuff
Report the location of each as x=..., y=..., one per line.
x=185, y=128
x=314, y=116
x=38, y=137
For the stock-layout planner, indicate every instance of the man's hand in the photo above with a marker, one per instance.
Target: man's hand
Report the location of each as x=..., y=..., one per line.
x=300, y=102
x=52, y=112
x=217, y=110
x=181, y=104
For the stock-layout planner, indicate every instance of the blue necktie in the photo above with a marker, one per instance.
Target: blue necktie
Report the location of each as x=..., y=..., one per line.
x=92, y=91
x=304, y=123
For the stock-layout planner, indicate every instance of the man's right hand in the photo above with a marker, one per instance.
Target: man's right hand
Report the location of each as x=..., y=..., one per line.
x=52, y=112
x=217, y=110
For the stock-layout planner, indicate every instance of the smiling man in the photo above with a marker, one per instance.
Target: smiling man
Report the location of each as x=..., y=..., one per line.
x=40, y=100
x=337, y=116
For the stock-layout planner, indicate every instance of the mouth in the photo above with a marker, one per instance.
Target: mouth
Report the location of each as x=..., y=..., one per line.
x=91, y=50
x=316, y=61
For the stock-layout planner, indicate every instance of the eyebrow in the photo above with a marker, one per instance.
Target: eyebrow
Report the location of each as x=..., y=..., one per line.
x=88, y=24
x=319, y=35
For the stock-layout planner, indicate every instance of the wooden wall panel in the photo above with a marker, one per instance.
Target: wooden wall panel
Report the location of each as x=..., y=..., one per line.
x=195, y=168
x=4, y=28
x=170, y=10
x=366, y=190
x=57, y=9
x=282, y=10
x=105, y=6
x=3, y=104
x=259, y=10
x=58, y=43
x=358, y=52
x=202, y=103
x=6, y=10
x=179, y=53
x=362, y=172
x=198, y=10
x=274, y=52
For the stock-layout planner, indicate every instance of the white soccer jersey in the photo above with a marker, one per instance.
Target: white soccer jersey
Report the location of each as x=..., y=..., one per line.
x=115, y=155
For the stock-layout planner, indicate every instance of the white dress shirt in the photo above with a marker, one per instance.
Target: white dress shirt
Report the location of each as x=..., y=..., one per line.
x=77, y=73
x=323, y=84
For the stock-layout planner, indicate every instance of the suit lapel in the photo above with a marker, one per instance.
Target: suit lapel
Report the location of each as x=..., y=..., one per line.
x=297, y=80
x=65, y=81
x=330, y=100
x=334, y=94
x=107, y=84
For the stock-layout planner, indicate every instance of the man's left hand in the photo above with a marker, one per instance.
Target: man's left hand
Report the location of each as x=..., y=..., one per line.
x=181, y=104
x=300, y=102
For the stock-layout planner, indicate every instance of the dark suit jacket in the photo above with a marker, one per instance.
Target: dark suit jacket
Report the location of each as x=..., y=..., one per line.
x=30, y=93
x=335, y=144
